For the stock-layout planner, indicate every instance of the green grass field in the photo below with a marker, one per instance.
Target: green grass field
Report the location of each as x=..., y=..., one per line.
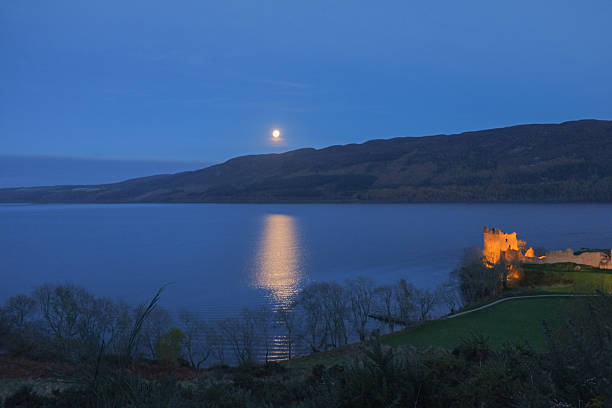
x=516, y=320
x=563, y=267
x=569, y=280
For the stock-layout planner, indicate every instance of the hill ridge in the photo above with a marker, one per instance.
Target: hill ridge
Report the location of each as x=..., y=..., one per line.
x=570, y=161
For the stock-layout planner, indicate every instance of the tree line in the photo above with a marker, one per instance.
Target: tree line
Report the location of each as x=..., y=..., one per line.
x=573, y=370
x=67, y=321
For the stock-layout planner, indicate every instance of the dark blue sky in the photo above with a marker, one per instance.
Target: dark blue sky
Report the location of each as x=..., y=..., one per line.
x=208, y=80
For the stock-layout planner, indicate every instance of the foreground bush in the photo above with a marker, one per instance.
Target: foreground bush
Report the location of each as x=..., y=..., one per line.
x=103, y=356
x=574, y=371
x=168, y=347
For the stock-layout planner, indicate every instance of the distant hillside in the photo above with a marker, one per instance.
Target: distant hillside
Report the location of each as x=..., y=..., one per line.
x=571, y=161
x=30, y=171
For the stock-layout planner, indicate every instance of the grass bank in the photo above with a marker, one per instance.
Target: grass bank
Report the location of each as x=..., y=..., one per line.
x=515, y=320
x=568, y=278
x=518, y=320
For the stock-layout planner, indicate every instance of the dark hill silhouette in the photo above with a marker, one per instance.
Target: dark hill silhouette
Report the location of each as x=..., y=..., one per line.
x=571, y=161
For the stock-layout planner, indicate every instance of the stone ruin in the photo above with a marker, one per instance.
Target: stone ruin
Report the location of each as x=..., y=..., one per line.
x=498, y=245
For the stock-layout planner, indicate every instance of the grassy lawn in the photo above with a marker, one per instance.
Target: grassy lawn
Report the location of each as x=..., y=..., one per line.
x=517, y=320
x=585, y=280
x=564, y=267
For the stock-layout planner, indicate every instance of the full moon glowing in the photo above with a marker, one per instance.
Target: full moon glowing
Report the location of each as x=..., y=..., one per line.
x=276, y=133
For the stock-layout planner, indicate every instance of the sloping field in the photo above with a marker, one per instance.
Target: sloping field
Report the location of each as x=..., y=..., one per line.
x=516, y=320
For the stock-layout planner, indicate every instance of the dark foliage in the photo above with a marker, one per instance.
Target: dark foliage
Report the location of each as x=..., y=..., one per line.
x=580, y=353
x=575, y=371
x=26, y=398
x=536, y=278
x=475, y=280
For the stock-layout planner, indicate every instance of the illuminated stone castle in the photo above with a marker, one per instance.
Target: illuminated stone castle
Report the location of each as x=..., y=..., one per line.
x=498, y=245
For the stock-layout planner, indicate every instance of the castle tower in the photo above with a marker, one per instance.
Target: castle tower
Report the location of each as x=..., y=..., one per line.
x=498, y=244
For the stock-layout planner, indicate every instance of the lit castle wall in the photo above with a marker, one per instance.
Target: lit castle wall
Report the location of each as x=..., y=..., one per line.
x=598, y=259
x=498, y=244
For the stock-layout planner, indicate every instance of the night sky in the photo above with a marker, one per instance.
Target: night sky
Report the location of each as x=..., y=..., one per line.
x=207, y=80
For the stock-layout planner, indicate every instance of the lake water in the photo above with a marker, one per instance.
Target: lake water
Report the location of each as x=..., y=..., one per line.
x=220, y=258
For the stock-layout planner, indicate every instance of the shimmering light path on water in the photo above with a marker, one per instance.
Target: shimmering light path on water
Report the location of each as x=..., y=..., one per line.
x=278, y=268
x=221, y=258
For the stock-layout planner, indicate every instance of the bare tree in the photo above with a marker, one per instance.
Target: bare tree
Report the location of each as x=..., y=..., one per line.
x=425, y=301
x=157, y=322
x=287, y=318
x=360, y=293
x=197, y=347
x=216, y=340
x=323, y=308
x=385, y=303
x=65, y=310
x=18, y=310
x=447, y=293
x=97, y=320
x=335, y=314
x=19, y=330
x=77, y=322
x=263, y=317
x=405, y=296
x=59, y=306
x=240, y=333
x=5, y=328
x=311, y=306
x=123, y=322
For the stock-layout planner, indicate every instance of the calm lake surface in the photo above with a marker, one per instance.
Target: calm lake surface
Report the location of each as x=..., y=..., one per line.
x=220, y=258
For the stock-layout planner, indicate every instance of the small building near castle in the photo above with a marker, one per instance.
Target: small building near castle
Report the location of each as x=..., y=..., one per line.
x=499, y=245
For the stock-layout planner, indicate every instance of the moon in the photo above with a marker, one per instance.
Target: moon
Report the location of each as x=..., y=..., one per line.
x=276, y=133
